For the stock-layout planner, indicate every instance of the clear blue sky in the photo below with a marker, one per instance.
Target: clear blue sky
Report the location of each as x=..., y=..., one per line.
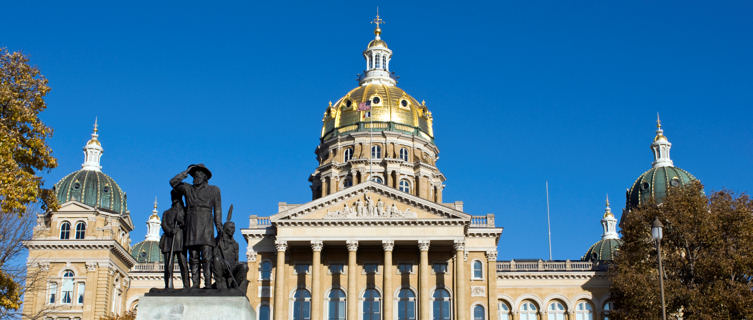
x=521, y=92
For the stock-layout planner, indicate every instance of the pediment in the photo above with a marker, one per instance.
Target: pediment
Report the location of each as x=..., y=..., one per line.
x=372, y=202
x=74, y=206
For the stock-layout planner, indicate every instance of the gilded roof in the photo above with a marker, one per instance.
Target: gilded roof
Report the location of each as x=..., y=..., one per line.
x=389, y=104
x=92, y=188
x=654, y=183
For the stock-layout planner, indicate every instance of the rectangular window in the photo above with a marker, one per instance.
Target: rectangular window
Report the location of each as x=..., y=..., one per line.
x=405, y=268
x=439, y=267
x=52, y=292
x=337, y=269
x=302, y=268
x=370, y=268
x=80, y=293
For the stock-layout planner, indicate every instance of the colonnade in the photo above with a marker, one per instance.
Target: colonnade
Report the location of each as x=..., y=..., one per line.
x=424, y=294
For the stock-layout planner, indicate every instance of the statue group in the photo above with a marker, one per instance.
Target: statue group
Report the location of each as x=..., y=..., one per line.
x=189, y=236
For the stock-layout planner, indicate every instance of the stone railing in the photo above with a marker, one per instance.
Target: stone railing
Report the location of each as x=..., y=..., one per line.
x=486, y=221
x=153, y=267
x=256, y=222
x=541, y=265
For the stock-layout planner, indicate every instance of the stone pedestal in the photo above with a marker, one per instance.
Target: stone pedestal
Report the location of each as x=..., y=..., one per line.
x=194, y=307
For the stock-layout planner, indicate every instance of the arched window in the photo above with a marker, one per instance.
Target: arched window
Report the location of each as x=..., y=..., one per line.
x=65, y=230
x=52, y=292
x=336, y=305
x=478, y=269
x=371, y=308
x=265, y=271
x=441, y=305
x=302, y=305
x=478, y=312
x=348, y=182
x=584, y=311
x=264, y=313
x=404, y=186
x=348, y=154
x=503, y=311
x=528, y=311
x=556, y=311
x=376, y=179
x=376, y=152
x=403, y=154
x=608, y=307
x=406, y=305
x=80, y=230
x=67, y=288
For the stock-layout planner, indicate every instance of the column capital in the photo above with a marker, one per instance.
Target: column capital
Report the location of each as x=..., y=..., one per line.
x=459, y=245
x=491, y=255
x=281, y=245
x=388, y=245
x=317, y=245
x=352, y=245
x=423, y=245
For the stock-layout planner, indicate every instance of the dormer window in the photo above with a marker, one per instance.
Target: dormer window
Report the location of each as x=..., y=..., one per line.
x=65, y=230
x=80, y=230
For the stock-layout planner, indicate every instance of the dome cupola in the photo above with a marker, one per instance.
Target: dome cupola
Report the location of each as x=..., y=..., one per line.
x=653, y=184
x=377, y=56
x=148, y=251
x=89, y=185
x=604, y=249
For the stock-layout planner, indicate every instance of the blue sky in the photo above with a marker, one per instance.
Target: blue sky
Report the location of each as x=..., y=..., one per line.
x=521, y=92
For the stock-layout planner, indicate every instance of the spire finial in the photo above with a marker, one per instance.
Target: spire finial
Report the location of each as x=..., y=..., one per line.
x=155, y=202
x=95, y=125
x=607, y=200
x=377, y=21
x=658, y=121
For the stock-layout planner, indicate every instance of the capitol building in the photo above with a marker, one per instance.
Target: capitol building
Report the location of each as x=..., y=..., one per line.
x=376, y=241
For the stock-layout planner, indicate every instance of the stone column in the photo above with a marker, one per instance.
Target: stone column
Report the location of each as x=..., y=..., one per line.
x=491, y=282
x=387, y=299
x=280, y=295
x=423, y=285
x=316, y=292
x=461, y=307
x=352, y=301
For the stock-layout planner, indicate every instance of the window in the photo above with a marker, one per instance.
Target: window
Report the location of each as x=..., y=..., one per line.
x=405, y=268
x=336, y=305
x=441, y=305
x=376, y=152
x=608, y=307
x=265, y=270
x=348, y=182
x=80, y=230
x=556, y=311
x=371, y=309
x=65, y=230
x=584, y=311
x=384, y=62
x=348, y=154
x=367, y=114
x=528, y=311
x=378, y=61
x=478, y=270
x=302, y=305
x=337, y=269
x=302, y=268
x=377, y=179
x=52, y=292
x=264, y=313
x=403, y=152
x=478, y=312
x=370, y=268
x=406, y=305
x=503, y=311
x=67, y=289
x=439, y=267
x=404, y=186
x=80, y=293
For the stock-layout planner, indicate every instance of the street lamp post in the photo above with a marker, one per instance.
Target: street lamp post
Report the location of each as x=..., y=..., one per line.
x=656, y=234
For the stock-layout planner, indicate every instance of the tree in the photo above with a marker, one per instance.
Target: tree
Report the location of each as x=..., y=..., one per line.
x=707, y=252
x=14, y=229
x=23, y=144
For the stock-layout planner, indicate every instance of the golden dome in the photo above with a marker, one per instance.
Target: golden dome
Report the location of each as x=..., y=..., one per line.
x=391, y=109
x=377, y=42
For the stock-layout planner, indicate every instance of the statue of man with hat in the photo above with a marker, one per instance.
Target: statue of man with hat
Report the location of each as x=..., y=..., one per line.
x=203, y=214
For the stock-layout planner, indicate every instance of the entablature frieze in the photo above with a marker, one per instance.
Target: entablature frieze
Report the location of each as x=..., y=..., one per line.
x=112, y=245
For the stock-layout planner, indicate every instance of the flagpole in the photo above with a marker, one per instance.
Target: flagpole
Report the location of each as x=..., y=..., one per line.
x=548, y=221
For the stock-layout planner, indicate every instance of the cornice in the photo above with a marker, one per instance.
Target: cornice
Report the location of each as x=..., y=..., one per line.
x=551, y=275
x=112, y=245
x=370, y=222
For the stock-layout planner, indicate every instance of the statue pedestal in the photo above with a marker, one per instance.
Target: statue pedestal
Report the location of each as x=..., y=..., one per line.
x=194, y=307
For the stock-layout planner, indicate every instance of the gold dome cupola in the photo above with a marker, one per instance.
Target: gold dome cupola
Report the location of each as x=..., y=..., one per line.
x=377, y=56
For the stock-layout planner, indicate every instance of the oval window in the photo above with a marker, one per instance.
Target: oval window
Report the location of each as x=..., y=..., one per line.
x=675, y=182
x=375, y=100
x=348, y=103
x=76, y=185
x=404, y=103
x=644, y=186
x=106, y=189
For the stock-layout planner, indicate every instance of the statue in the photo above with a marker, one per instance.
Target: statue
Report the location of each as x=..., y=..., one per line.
x=228, y=271
x=380, y=208
x=203, y=209
x=171, y=242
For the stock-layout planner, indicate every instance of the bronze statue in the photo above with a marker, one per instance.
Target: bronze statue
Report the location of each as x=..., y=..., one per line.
x=228, y=271
x=171, y=242
x=203, y=209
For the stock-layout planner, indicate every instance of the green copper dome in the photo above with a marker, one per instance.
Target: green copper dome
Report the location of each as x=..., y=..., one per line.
x=92, y=188
x=147, y=251
x=603, y=250
x=654, y=183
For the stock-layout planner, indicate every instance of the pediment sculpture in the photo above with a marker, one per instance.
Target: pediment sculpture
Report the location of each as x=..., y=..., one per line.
x=366, y=208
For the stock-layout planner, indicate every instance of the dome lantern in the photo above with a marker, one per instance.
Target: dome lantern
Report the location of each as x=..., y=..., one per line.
x=661, y=147
x=605, y=249
x=153, y=225
x=377, y=56
x=609, y=223
x=92, y=152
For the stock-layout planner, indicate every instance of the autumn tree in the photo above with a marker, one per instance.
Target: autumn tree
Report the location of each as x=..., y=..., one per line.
x=23, y=136
x=707, y=252
x=14, y=280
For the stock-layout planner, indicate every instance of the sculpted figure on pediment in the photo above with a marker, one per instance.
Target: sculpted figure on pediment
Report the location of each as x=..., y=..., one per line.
x=380, y=208
x=359, y=208
x=370, y=206
x=368, y=209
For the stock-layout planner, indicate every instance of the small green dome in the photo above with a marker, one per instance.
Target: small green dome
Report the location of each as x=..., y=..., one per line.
x=92, y=188
x=147, y=251
x=654, y=183
x=603, y=250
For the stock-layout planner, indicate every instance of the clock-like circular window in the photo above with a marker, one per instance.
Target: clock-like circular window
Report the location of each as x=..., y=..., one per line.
x=404, y=103
x=376, y=100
